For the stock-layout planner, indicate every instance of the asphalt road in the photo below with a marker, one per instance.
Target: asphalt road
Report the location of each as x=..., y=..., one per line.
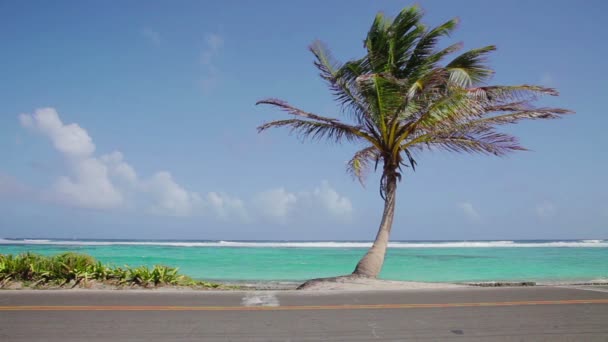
x=471, y=314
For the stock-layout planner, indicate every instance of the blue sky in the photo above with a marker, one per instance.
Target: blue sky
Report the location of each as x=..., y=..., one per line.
x=137, y=120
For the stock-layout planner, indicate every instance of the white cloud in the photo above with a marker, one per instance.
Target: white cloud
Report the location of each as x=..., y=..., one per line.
x=328, y=198
x=279, y=205
x=226, y=207
x=213, y=46
x=214, y=41
x=109, y=182
x=170, y=197
x=545, y=209
x=152, y=36
x=470, y=212
x=101, y=182
x=89, y=187
x=274, y=204
x=71, y=140
x=119, y=168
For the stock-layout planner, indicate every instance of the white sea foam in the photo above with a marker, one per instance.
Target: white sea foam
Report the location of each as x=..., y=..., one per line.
x=34, y=241
x=322, y=244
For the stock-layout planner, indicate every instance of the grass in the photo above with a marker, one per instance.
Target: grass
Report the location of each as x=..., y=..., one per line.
x=73, y=269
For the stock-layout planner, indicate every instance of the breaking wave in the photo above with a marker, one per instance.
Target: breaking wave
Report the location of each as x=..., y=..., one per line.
x=312, y=244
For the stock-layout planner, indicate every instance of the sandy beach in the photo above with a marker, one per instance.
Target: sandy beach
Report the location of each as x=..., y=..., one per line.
x=344, y=285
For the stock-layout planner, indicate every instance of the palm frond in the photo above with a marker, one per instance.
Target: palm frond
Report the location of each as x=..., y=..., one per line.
x=488, y=142
x=360, y=131
x=313, y=130
x=377, y=43
x=295, y=111
x=438, y=56
x=424, y=57
x=382, y=92
x=454, y=107
x=361, y=162
x=340, y=82
x=432, y=84
x=410, y=158
x=529, y=114
x=470, y=67
x=501, y=94
x=405, y=31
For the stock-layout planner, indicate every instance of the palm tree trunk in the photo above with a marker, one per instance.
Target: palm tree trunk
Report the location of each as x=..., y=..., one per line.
x=371, y=264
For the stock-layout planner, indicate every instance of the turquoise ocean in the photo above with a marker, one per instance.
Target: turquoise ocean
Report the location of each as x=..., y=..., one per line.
x=426, y=261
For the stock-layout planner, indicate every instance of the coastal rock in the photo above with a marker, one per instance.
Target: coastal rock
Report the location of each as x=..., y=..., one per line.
x=503, y=283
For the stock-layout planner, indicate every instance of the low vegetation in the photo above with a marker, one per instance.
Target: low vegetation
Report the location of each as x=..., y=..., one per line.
x=73, y=269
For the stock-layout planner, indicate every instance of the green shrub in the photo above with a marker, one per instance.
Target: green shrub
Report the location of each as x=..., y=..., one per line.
x=74, y=267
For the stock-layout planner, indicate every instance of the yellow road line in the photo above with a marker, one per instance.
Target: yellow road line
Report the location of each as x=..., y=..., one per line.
x=289, y=308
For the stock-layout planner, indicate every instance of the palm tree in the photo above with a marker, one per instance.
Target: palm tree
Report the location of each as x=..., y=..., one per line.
x=400, y=99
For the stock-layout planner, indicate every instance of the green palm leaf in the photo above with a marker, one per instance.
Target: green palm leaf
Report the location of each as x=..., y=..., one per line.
x=313, y=130
x=361, y=162
x=470, y=68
